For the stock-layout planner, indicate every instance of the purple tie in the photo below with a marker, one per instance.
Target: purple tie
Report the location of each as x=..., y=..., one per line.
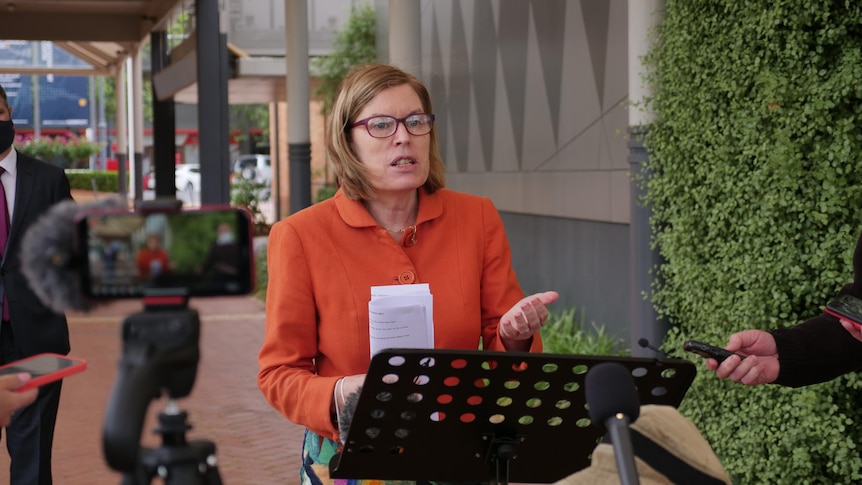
x=4, y=234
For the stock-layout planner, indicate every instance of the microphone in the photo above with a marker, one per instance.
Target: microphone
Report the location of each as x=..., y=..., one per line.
x=644, y=343
x=50, y=259
x=613, y=403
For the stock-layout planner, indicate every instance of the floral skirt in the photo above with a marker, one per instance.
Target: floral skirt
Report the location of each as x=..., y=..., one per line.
x=317, y=451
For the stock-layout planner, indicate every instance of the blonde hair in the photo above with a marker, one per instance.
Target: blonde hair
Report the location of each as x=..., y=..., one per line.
x=356, y=90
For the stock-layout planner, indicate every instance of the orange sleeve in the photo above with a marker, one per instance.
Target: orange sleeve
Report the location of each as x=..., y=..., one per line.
x=287, y=375
x=500, y=290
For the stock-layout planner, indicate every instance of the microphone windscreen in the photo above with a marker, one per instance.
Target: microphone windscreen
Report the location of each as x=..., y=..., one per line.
x=644, y=343
x=610, y=389
x=50, y=261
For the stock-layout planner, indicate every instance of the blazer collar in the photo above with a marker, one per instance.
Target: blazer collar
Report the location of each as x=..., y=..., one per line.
x=354, y=213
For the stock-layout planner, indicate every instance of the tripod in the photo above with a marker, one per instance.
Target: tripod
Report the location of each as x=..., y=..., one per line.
x=160, y=355
x=177, y=461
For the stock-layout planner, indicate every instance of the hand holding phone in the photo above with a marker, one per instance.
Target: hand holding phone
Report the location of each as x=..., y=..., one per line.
x=44, y=368
x=708, y=351
x=11, y=399
x=846, y=306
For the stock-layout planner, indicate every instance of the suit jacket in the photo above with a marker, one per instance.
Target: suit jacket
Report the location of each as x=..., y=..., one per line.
x=322, y=264
x=37, y=328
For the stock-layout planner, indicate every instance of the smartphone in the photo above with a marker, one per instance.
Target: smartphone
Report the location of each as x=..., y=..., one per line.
x=195, y=252
x=44, y=368
x=846, y=306
x=708, y=351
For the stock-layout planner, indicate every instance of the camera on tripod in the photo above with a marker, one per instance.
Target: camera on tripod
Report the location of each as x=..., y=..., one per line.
x=163, y=255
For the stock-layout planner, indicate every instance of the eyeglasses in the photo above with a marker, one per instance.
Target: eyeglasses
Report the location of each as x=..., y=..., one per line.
x=386, y=126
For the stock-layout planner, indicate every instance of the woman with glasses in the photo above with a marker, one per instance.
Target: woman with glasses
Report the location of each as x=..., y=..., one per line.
x=391, y=222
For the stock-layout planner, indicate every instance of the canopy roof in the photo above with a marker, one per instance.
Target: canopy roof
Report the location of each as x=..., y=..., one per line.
x=100, y=32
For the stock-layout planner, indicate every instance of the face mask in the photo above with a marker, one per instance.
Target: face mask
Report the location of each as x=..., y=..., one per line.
x=224, y=238
x=7, y=135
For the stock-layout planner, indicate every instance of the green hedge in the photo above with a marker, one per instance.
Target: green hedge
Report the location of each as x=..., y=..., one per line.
x=84, y=179
x=755, y=188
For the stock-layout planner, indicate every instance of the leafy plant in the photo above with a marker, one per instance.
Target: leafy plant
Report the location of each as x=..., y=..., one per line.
x=249, y=194
x=754, y=187
x=262, y=273
x=78, y=150
x=325, y=192
x=353, y=45
x=564, y=333
x=66, y=152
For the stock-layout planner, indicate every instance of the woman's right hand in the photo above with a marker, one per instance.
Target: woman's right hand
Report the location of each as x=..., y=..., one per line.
x=760, y=365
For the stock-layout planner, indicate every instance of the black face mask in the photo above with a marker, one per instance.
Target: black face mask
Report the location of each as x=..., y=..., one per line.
x=7, y=135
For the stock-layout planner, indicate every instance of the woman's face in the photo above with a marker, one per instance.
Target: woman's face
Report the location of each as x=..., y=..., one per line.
x=401, y=162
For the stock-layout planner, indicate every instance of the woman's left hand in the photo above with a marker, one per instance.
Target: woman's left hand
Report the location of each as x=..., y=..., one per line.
x=527, y=316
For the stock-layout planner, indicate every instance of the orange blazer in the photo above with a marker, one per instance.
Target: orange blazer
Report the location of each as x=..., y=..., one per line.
x=322, y=262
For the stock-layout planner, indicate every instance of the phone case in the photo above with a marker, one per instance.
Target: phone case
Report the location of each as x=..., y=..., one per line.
x=44, y=368
x=846, y=306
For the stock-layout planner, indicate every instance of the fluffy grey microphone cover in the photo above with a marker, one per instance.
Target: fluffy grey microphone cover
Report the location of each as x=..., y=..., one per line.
x=50, y=261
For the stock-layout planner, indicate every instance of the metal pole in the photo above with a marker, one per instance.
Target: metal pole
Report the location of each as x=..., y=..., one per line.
x=102, y=127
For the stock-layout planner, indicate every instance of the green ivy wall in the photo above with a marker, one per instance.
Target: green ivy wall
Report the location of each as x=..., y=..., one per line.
x=756, y=190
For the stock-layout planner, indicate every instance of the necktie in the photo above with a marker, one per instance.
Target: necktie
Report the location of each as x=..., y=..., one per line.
x=4, y=235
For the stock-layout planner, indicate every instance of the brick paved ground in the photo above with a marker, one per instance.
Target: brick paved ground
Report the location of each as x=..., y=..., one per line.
x=254, y=444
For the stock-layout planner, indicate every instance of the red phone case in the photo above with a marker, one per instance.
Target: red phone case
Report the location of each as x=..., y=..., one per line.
x=44, y=368
x=844, y=317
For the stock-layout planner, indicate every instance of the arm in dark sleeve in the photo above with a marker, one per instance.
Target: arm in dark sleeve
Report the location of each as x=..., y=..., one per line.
x=819, y=349
x=815, y=351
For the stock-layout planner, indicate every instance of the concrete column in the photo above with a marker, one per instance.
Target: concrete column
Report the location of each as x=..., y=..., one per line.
x=405, y=46
x=122, y=129
x=137, y=98
x=298, y=99
x=643, y=15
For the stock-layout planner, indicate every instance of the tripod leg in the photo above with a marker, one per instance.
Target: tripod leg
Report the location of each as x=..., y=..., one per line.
x=195, y=465
x=143, y=474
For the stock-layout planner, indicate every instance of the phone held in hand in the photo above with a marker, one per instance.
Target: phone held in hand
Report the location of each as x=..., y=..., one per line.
x=708, y=351
x=846, y=306
x=44, y=368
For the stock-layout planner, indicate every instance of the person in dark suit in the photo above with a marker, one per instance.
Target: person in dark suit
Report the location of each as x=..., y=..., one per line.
x=28, y=327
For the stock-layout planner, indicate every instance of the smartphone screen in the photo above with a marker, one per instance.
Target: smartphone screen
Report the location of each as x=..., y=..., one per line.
x=44, y=368
x=200, y=252
x=846, y=306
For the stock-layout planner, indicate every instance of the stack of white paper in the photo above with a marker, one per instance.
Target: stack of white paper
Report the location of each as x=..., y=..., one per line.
x=401, y=316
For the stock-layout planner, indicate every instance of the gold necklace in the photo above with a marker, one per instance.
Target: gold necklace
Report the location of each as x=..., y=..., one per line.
x=400, y=230
x=412, y=228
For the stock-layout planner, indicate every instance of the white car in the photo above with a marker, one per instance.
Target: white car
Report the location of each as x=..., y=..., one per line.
x=253, y=167
x=187, y=179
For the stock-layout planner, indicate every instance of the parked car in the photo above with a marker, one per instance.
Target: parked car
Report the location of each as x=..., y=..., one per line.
x=187, y=178
x=255, y=167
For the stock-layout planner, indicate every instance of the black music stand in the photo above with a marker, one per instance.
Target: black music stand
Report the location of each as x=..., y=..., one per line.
x=481, y=416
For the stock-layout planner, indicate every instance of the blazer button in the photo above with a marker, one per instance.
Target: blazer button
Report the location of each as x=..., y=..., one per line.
x=406, y=277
